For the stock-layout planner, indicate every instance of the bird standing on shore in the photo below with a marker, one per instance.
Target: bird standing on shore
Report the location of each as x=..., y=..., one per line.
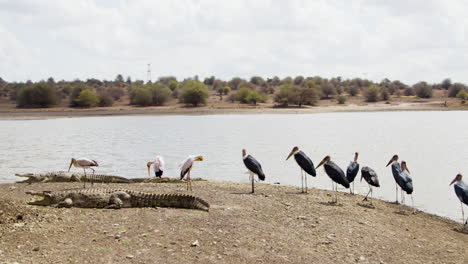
x=401, y=176
x=158, y=166
x=335, y=173
x=305, y=163
x=461, y=190
x=253, y=167
x=371, y=178
x=352, y=171
x=186, y=168
x=83, y=163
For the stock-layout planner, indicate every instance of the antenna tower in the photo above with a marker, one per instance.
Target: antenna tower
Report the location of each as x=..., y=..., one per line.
x=148, y=74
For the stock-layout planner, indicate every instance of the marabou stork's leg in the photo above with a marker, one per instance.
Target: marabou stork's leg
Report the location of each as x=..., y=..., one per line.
x=396, y=192
x=302, y=182
x=371, y=193
x=402, y=197
x=305, y=178
x=370, y=190
x=252, y=179
x=412, y=204
x=463, y=215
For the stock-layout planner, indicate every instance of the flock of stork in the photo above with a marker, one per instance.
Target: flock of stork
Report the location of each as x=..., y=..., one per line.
x=400, y=173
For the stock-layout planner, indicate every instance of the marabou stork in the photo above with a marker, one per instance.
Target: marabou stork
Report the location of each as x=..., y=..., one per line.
x=158, y=166
x=461, y=190
x=402, y=177
x=335, y=173
x=371, y=178
x=253, y=166
x=83, y=163
x=306, y=165
x=186, y=168
x=352, y=171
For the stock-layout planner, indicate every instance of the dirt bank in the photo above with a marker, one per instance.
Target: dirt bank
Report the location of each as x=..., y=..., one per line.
x=276, y=225
x=15, y=113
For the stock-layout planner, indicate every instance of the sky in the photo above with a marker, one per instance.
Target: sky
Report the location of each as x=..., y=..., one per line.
x=410, y=41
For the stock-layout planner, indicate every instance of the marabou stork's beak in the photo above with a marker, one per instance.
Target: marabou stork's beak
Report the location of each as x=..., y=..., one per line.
x=390, y=162
x=199, y=158
x=457, y=178
x=148, y=165
x=290, y=154
x=322, y=162
x=71, y=163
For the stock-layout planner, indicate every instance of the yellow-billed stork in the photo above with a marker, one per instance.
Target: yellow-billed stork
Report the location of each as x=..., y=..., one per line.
x=186, y=168
x=83, y=163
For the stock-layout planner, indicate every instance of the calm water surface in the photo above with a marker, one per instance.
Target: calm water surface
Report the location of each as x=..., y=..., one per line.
x=434, y=144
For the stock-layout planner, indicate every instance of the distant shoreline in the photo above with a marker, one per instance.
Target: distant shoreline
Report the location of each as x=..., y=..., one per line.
x=42, y=113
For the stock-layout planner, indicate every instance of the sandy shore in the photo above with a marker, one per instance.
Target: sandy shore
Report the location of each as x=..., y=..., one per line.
x=57, y=112
x=275, y=225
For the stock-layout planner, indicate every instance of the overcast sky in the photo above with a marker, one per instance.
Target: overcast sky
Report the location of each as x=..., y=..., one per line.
x=68, y=39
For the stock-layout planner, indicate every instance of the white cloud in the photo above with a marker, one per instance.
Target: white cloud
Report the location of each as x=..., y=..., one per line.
x=410, y=41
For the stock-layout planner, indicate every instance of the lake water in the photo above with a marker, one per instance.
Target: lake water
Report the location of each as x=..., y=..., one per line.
x=434, y=144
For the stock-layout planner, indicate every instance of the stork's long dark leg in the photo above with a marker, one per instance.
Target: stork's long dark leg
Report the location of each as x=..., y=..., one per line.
x=188, y=180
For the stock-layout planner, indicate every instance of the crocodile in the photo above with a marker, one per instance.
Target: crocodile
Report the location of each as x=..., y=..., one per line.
x=63, y=176
x=116, y=199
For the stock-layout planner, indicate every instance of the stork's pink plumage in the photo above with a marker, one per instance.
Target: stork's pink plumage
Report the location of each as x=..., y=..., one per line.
x=83, y=163
x=186, y=167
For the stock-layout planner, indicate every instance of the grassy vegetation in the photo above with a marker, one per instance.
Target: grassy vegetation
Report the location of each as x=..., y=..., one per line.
x=286, y=92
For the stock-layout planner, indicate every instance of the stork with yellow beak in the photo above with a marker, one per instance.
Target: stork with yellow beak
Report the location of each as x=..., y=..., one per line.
x=83, y=163
x=186, y=168
x=158, y=166
x=461, y=190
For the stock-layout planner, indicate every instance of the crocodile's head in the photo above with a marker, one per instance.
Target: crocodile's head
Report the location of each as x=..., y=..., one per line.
x=47, y=198
x=31, y=178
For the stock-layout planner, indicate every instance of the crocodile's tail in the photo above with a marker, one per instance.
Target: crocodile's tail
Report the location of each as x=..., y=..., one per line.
x=169, y=200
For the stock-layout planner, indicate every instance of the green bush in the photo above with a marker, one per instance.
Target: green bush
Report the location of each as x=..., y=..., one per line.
x=462, y=94
x=409, y=91
x=140, y=96
x=38, y=95
x=194, y=93
x=353, y=90
x=160, y=94
x=87, y=98
x=371, y=93
x=105, y=99
x=384, y=94
x=247, y=95
x=341, y=99
x=423, y=90
x=304, y=95
x=455, y=89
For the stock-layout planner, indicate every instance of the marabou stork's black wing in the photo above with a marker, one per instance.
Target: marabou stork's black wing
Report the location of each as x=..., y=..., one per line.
x=405, y=182
x=352, y=171
x=254, y=166
x=370, y=176
x=461, y=190
x=305, y=163
x=336, y=173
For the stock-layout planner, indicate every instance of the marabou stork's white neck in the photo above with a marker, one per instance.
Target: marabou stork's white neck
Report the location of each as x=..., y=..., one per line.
x=244, y=154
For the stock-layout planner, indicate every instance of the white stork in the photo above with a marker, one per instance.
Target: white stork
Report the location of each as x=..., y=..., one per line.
x=158, y=166
x=83, y=163
x=186, y=167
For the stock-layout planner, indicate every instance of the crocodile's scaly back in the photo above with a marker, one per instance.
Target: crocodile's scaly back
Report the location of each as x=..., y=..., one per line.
x=118, y=198
x=64, y=176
